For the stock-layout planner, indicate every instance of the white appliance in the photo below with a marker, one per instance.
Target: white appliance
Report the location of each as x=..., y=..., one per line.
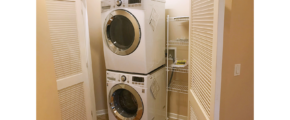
x=137, y=97
x=133, y=35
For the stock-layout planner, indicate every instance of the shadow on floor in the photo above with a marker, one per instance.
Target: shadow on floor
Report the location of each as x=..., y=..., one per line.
x=103, y=117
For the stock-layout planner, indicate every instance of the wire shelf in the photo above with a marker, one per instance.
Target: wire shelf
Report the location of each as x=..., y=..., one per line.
x=178, y=66
x=181, y=18
x=178, y=42
x=179, y=70
x=178, y=86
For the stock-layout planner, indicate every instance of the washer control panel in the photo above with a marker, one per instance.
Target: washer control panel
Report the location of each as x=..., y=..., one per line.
x=138, y=80
x=134, y=1
x=132, y=79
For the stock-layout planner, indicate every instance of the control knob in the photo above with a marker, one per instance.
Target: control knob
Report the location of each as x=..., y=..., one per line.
x=123, y=78
x=119, y=2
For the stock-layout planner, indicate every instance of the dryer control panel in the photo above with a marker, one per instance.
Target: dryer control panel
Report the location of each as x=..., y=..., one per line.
x=115, y=4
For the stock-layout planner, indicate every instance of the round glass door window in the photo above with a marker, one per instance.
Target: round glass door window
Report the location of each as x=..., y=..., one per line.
x=122, y=32
x=126, y=103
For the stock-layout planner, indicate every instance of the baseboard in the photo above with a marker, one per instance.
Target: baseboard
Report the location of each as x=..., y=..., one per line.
x=171, y=115
x=177, y=117
x=102, y=112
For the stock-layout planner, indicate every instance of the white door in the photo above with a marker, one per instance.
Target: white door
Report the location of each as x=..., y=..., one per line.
x=67, y=21
x=205, y=58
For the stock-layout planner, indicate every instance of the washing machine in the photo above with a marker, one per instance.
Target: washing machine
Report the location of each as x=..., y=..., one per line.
x=137, y=97
x=133, y=35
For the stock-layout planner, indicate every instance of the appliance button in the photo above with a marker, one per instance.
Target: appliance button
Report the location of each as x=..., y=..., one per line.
x=123, y=78
x=119, y=2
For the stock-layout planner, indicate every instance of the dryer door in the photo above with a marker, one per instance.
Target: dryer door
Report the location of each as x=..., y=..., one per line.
x=122, y=32
x=125, y=103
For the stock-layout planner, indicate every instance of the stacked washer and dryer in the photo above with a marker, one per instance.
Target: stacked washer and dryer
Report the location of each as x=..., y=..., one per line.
x=134, y=50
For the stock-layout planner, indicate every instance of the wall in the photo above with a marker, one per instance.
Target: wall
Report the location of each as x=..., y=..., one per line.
x=98, y=61
x=48, y=107
x=177, y=101
x=237, y=91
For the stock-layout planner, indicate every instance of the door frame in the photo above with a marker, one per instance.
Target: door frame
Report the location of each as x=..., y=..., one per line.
x=89, y=60
x=219, y=36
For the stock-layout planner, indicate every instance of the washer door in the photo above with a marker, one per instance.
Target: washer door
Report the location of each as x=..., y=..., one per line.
x=125, y=103
x=122, y=32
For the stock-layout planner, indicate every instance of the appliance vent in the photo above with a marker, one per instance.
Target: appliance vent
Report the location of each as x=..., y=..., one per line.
x=201, y=40
x=72, y=102
x=64, y=37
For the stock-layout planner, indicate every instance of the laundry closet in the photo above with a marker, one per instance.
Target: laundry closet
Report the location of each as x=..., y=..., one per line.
x=147, y=59
x=142, y=42
x=134, y=43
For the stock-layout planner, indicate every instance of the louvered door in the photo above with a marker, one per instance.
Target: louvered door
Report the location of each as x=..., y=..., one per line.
x=205, y=58
x=68, y=34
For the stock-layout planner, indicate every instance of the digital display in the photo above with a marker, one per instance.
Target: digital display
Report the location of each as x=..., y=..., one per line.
x=134, y=1
x=138, y=79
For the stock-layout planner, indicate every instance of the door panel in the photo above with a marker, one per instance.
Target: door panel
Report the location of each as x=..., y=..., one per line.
x=72, y=102
x=64, y=38
x=206, y=39
x=67, y=25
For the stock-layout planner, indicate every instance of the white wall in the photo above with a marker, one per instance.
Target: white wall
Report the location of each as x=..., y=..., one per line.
x=178, y=102
x=98, y=61
x=237, y=92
